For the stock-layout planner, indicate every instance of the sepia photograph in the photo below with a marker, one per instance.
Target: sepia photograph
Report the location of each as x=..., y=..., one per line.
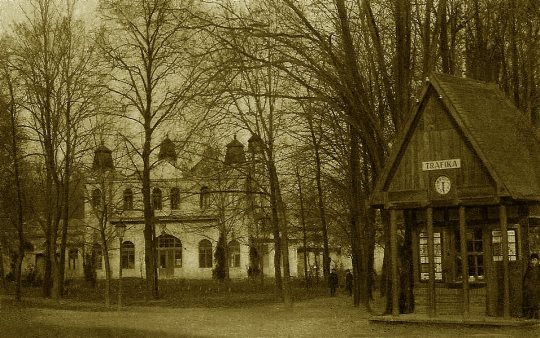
x=269, y=168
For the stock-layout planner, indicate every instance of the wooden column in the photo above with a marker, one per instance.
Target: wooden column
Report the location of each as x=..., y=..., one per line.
x=394, y=258
x=431, y=258
x=464, y=260
x=506, y=272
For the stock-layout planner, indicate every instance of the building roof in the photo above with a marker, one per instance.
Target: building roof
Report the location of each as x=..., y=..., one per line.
x=497, y=131
x=167, y=150
x=103, y=158
x=235, y=153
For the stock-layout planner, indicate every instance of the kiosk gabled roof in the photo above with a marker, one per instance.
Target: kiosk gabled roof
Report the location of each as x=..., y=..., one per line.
x=500, y=135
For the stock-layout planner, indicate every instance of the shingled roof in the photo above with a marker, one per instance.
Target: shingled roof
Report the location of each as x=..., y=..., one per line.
x=501, y=136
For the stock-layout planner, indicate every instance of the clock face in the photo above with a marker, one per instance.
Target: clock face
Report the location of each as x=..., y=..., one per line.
x=442, y=185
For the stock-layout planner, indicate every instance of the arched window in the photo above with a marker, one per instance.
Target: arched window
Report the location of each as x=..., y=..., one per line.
x=128, y=255
x=204, y=198
x=96, y=198
x=97, y=253
x=128, y=199
x=175, y=198
x=157, y=199
x=205, y=254
x=169, y=247
x=234, y=254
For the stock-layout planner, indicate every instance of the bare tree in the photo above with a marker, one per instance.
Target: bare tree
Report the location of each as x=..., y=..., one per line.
x=13, y=203
x=55, y=61
x=151, y=47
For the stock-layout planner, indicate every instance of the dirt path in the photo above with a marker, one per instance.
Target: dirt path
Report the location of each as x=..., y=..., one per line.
x=323, y=317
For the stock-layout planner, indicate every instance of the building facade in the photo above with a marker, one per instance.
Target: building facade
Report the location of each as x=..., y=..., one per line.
x=192, y=209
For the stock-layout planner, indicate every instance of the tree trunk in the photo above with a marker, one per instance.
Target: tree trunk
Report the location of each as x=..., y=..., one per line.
x=105, y=254
x=283, y=227
x=320, y=200
x=303, y=222
x=402, y=61
x=47, y=266
x=277, y=238
x=2, y=271
x=18, y=186
x=359, y=275
x=18, y=273
x=149, y=231
x=443, y=40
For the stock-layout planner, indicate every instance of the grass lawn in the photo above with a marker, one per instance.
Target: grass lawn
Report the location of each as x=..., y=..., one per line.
x=208, y=309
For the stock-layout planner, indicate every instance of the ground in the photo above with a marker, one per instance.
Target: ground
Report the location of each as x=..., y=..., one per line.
x=319, y=316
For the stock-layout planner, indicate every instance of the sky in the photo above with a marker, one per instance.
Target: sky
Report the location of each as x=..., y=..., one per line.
x=13, y=11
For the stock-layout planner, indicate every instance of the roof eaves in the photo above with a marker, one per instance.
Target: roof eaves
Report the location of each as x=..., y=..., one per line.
x=398, y=147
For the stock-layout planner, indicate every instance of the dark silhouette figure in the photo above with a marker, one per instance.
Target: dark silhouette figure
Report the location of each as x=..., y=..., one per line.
x=531, y=288
x=349, y=282
x=333, y=282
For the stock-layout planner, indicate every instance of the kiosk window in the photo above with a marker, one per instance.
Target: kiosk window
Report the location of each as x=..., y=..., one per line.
x=496, y=239
x=424, y=258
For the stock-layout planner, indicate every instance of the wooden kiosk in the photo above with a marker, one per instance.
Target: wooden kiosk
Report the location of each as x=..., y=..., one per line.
x=464, y=181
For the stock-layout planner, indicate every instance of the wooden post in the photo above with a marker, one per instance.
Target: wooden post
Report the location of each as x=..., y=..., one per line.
x=506, y=272
x=464, y=260
x=394, y=258
x=431, y=259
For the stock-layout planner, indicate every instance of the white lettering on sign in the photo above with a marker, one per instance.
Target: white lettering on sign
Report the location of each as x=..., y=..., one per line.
x=442, y=164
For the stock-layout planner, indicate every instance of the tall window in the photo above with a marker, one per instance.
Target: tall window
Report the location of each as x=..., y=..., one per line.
x=475, y=253
x=234, y=254
x=175, y=198
x=205, y=254
x=96, y=198
x=496, y=239
x=424, y=257
x=98, y=256
x=128, y=255
x=128, y=199
x=157, y=199
x=72, y=258
x=204, y=198
x=167, y=243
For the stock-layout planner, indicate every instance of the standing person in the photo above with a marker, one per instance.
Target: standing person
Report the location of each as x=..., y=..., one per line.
x=349, y=282
x=333, y=282
x=531, y=288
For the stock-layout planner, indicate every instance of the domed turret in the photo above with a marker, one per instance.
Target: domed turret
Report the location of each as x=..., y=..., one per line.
x=167, y=150
x=103, y=159
x=255, y=144
x=235, y=152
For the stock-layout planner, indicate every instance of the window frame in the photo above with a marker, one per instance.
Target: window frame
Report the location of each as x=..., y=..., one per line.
x=164, y=242
x=73, y=256
x=127, y=199
x=205, y=254
x=496, y=245
x=157, y=199
x=96, y=198
x=423, y=257
x=127, y=255
x=234, y=255
x=97, y=250
x=204, y=197
x=175, y=198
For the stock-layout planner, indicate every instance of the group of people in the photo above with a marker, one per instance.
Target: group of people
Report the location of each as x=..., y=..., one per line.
x=333, y=282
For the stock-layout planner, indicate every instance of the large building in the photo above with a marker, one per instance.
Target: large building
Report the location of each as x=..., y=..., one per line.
x=192, y=208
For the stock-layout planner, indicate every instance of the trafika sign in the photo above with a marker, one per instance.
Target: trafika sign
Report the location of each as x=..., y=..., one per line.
x=442, y=164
